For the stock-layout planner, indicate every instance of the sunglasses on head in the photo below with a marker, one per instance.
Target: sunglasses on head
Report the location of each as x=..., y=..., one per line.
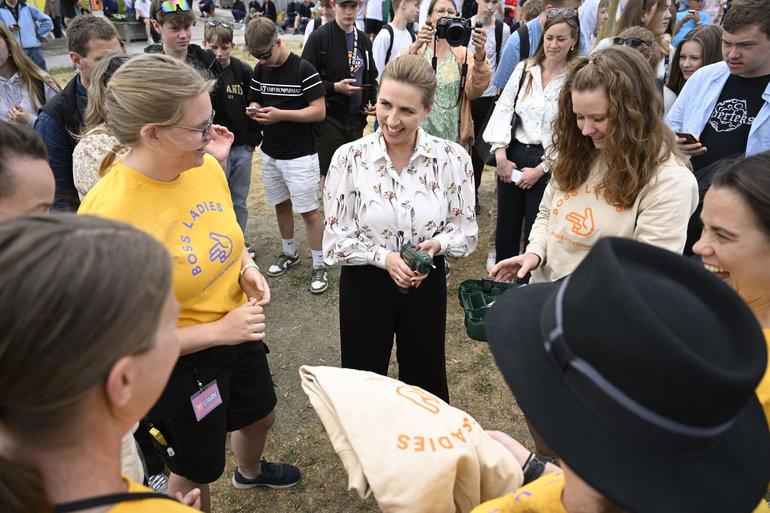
x=566, y=12
x=633, y=42
x=174, y=5
x=214, y=23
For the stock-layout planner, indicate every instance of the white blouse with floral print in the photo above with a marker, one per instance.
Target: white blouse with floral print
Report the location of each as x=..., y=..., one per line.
x=371, y=210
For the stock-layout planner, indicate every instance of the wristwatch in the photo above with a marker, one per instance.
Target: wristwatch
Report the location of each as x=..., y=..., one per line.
x=546, y=168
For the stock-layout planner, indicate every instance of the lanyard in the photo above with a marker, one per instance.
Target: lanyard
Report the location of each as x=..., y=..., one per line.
x=352, y=57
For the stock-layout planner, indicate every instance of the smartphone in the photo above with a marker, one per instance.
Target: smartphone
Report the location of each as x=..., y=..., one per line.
x=688, y=138
x=692, y=12
x=361, y=85
x=252, y=110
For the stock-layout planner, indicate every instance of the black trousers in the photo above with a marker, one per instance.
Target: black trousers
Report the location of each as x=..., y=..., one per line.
x=479, y=110
x=517, y=206
x=335, y=133
x=372, y=311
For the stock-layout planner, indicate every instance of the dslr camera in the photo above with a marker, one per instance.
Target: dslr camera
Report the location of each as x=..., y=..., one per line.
x=456, y=31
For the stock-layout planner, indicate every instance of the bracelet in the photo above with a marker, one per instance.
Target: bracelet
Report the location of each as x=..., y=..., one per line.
x=246, y=268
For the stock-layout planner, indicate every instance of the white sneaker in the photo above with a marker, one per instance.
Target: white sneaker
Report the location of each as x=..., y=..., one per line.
x=319, y=280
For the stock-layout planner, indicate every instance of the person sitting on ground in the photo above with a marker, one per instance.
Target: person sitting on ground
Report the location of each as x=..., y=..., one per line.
x=660, y=398
x=24, y=87
x=238, y=11
x=701, y=47
x=171, y=184
x=29, y=25
x=735, y=240
x=725, y=106
x=89, y=38
x=236, y=75
x=304, y=13
x=325, y=15
x=268, y=10
x=26, y=181
x=291, y=13
x=207, y=8
x=286, y=97
x=143, y=9
x=113, y=355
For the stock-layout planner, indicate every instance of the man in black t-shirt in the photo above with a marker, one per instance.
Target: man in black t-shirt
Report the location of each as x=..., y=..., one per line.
x=726, y=105
x=342, y=54
x=286, y=97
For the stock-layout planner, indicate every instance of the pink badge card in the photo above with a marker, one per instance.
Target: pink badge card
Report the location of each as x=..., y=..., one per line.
x=206, y=400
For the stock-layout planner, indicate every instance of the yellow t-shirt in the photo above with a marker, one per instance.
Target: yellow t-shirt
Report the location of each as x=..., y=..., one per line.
x=148, y=505
x=763, y=389
x=193, y=218
x=543, y=495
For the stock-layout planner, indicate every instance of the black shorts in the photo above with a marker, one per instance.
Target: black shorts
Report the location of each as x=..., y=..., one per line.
x=372, y=26
x=248, y=395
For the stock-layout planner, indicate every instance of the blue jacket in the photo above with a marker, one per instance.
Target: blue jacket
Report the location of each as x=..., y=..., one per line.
x=29, y=17
x=699, y=96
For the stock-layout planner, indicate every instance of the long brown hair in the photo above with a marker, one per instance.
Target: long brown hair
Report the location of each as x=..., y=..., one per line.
x=637, y=140
x=709, y=37
x=539, y=56
x=78, y=294
x=28, y=71
x=632, y=15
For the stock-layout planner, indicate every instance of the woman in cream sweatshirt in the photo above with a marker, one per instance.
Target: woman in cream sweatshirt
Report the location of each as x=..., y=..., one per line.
x=618, y=172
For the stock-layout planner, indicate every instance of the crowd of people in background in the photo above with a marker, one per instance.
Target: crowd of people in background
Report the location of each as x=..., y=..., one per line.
x=629, y=146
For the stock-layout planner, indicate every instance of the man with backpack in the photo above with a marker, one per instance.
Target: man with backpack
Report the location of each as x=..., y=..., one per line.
x=342, y=54
x=396, y=35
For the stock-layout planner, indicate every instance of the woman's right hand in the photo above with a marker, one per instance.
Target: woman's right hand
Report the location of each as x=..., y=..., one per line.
x=400, y=272
x=517, y=266
x=505, y=169
x=425, y=36
x=245, y=323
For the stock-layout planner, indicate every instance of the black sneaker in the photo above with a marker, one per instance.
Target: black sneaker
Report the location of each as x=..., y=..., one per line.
x=273, y=475
x=282, y=264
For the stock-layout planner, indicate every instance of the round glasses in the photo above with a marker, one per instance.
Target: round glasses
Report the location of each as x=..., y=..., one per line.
x=204, y=131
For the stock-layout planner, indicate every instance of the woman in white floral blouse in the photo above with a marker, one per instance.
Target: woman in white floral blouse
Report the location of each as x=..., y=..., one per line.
x=533, y=89
x=398, y=185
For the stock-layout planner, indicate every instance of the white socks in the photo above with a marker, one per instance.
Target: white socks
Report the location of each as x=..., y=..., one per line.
x=318, y=258
x=288, y=247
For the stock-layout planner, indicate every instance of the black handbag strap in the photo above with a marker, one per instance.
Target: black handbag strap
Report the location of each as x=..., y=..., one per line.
x=104, y=500
x=524, y=74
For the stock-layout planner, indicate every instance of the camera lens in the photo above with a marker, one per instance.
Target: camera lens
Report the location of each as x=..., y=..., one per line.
x=455, y=35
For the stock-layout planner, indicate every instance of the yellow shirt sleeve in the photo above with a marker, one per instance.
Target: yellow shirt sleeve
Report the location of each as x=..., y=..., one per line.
x=763, y=389
x=542, y=495
x=148, y=505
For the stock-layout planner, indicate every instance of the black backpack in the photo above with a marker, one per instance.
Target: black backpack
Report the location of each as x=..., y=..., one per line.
x=389, y=30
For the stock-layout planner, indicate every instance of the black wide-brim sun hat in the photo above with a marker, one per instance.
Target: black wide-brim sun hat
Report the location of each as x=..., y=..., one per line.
x=668, y=421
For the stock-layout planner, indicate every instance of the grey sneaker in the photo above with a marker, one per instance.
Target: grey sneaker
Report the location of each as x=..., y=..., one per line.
x=282, y=264
x=319, y=280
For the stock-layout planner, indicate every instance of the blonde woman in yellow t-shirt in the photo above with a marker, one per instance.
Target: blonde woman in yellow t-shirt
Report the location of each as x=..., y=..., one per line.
x=735, y=243
x=171, y=185
x=89, y=340
x=619, y=172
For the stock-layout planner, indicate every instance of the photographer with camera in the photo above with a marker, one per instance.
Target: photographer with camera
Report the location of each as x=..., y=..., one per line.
x=443, y=40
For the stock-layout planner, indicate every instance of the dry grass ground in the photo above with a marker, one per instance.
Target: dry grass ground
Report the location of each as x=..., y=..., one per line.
x=303, y=329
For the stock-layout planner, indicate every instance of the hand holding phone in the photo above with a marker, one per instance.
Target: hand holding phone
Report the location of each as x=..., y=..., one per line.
x=688, y=138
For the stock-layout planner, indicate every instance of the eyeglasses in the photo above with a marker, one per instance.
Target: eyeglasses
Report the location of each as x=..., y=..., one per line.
x=204, y=131
x=214, y=23
x=448, y=12
x=174, y=6
x=267, y=53
x=633, y=42
x=566, y=12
